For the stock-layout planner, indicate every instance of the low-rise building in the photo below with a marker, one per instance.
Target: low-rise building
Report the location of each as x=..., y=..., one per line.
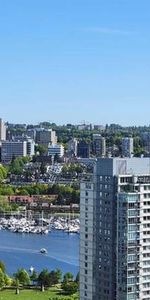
x=55, y=149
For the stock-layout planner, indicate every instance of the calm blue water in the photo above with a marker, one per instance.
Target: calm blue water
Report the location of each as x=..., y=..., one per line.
x=22, y=250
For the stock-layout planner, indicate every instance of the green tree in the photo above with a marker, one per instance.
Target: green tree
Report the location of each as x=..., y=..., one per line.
x=58, y=273
x=41, y=149
x=25, y=159
x=70, y=288
x=2, y=279
x=6, y=190
x=77, y=277
x=3, y=173
x=44, y=279
x=53, y=278
x=8, y=280
x=23, y=277
x=22, y=191
x=2, y=266
x=16, y=166
x=68, y=277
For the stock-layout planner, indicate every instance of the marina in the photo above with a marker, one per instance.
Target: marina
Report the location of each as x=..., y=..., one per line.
x=40, y=226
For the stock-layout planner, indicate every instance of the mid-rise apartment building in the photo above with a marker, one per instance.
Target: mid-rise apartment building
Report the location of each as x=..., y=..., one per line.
x=29, y=143
x=10, y=149
x=72, y=146
x=99, y=145
x=145, y=139
x=127, y=147
x=115, y=230
x=83, y=149
x=30, y=147
x=45, y=136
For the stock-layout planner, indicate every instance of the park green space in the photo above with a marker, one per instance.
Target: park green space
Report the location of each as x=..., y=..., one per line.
x=51, y=294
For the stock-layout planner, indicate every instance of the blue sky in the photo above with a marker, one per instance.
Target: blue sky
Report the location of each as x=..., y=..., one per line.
x=72, y=60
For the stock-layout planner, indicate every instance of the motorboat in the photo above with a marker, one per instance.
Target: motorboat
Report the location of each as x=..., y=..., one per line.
x=43, y=251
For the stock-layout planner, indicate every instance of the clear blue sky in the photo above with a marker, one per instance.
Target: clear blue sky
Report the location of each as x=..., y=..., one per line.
x=73, y=60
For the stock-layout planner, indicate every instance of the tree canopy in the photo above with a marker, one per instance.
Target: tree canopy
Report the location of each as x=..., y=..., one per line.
x=23, y=276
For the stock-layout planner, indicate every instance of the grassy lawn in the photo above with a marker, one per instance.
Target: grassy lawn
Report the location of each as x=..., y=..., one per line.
x=31, y=295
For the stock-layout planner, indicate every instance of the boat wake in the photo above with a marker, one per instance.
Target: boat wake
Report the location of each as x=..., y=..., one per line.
x=10, y=249
x=68, y=260
x=64, y=260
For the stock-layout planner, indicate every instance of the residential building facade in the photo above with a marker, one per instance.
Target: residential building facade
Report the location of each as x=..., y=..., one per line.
x=99, y=145
x=145, y=138
x=127, y=147
x=30, y=147
x=10, y=149
x=72, y=146
x=45, y=136
x=83, y=149
x=55, y=149
x=115, y=230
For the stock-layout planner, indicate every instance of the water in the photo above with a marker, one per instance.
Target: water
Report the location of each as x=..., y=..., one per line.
x=22, y=251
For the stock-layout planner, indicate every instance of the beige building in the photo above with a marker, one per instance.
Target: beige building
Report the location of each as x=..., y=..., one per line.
x=2, y=130
x=46, y=136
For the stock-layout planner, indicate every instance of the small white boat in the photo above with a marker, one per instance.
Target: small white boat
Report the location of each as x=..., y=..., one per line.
x=45, y=231
x=43, y=251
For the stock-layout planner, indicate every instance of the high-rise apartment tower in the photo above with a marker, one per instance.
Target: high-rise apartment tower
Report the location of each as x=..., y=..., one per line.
x=115, y=231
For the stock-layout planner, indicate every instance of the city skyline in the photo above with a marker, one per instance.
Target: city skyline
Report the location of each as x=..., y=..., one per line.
x=68, y=61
